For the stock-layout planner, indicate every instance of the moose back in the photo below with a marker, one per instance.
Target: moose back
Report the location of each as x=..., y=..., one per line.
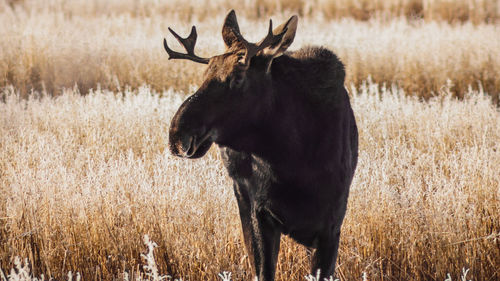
x=287, y=135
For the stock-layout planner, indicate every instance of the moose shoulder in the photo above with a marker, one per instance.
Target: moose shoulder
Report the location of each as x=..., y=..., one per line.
x=287, y=134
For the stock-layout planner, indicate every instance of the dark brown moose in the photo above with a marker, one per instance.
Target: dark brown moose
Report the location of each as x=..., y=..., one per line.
x=286, y=133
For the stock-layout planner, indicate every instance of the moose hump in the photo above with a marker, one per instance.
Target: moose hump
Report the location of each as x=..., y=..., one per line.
x=310, y=63
x=306, y=68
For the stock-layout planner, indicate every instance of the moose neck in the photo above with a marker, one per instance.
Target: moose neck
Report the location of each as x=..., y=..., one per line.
x=286, y=126
x=280, y=133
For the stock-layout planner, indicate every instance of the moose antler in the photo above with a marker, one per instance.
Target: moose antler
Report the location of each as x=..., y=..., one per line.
x=252, y=49
x=188, y=44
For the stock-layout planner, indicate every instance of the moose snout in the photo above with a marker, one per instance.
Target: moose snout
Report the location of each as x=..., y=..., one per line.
x=181, y=146
x=189, y=143
x=180, y=142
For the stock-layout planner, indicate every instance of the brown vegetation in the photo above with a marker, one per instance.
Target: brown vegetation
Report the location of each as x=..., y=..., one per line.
x=456, y=11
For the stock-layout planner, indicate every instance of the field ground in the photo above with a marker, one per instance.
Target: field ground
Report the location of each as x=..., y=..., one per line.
x=85, y=172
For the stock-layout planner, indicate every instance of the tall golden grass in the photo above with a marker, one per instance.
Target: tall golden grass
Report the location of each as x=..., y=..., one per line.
x=114, y=44
x=84, y=178
x=85, y=174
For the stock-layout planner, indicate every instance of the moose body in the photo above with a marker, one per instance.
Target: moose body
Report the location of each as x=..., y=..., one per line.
x=287, y=135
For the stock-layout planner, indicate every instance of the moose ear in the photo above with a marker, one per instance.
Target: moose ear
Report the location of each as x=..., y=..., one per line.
x=288, y=28
x=229, y=28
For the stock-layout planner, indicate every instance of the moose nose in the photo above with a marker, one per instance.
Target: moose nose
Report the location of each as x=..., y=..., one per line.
x=181, y=146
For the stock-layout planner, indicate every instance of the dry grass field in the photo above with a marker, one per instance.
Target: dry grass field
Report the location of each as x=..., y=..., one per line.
x=83, y=178
x=87, y=93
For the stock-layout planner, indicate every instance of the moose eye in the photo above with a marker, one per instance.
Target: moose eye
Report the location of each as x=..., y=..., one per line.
x=240, y=55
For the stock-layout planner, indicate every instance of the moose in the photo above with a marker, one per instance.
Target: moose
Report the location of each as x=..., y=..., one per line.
x=287, y=136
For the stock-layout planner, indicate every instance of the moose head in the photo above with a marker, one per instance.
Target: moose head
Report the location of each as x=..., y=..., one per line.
x=235, y=94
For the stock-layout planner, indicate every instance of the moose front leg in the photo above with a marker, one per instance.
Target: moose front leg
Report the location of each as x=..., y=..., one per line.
x=265, y=244
x=244, y=207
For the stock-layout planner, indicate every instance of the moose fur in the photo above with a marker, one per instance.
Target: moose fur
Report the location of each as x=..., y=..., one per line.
x=287, y=134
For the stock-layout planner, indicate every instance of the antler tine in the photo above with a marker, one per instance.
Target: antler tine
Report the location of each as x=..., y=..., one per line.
x=270, y=39
x=188, y=43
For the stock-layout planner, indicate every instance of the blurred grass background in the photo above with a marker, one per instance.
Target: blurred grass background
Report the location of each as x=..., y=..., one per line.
x=418, y=45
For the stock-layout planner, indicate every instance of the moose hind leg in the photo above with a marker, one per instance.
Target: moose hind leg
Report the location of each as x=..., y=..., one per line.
x=325, y=256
